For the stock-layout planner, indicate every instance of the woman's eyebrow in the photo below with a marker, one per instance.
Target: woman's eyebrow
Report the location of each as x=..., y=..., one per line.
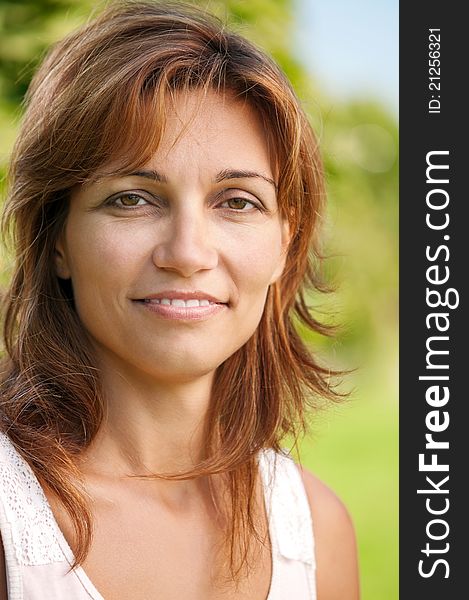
x=221, y=176
x=149, y=174
x=236, y=174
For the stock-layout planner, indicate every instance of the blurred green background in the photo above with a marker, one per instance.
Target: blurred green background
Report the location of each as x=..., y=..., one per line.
x=352, y=446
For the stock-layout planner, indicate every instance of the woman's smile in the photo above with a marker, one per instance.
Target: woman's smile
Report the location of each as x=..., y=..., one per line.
x=183, y=305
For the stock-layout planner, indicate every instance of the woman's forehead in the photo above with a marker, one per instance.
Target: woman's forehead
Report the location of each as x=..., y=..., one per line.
x=201, y=127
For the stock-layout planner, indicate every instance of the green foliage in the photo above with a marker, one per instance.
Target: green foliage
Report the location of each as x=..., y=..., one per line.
x=353, y=448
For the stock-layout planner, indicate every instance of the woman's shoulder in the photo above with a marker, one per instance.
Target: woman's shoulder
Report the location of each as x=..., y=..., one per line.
x=335, y=541
x=325, y=502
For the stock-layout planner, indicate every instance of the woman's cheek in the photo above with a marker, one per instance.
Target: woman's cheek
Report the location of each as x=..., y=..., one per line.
x=107, y=250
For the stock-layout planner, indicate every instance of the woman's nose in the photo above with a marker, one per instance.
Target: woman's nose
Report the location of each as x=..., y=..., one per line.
x=186, y=245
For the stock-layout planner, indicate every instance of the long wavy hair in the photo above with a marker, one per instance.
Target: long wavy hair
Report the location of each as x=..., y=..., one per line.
x=100, y=95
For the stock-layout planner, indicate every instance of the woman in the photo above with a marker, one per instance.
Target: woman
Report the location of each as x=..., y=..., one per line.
x=164, y=205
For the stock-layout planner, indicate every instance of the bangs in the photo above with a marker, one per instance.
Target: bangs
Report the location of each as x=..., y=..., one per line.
x=133, y=122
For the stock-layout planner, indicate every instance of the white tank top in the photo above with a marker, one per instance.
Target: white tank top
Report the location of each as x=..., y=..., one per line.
x=38, y=557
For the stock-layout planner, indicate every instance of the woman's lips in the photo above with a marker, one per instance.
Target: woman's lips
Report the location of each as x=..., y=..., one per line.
x=184, y=313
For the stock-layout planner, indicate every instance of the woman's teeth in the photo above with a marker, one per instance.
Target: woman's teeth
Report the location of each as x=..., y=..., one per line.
x=179, y=302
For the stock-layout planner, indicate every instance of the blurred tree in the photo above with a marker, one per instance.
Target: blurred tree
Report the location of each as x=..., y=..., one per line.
x=25, y=33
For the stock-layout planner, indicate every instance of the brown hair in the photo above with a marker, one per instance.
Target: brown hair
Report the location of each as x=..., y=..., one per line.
x=98, y=91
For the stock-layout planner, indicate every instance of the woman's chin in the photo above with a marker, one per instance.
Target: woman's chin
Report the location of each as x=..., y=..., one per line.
x=182, y=372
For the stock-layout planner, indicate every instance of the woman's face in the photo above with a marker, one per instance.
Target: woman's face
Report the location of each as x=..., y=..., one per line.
x=148, y=253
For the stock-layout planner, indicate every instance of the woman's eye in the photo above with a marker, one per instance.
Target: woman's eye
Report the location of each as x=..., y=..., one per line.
x=128, y=200
x=239, y=204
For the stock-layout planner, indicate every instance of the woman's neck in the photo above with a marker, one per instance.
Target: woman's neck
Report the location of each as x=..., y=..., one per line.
x=150, y=426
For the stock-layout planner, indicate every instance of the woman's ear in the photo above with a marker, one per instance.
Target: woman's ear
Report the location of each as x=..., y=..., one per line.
x=62, y=268
x=286, y=238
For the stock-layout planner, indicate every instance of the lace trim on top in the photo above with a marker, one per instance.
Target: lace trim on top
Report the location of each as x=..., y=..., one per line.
x=289, y=515
x=26, y=508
